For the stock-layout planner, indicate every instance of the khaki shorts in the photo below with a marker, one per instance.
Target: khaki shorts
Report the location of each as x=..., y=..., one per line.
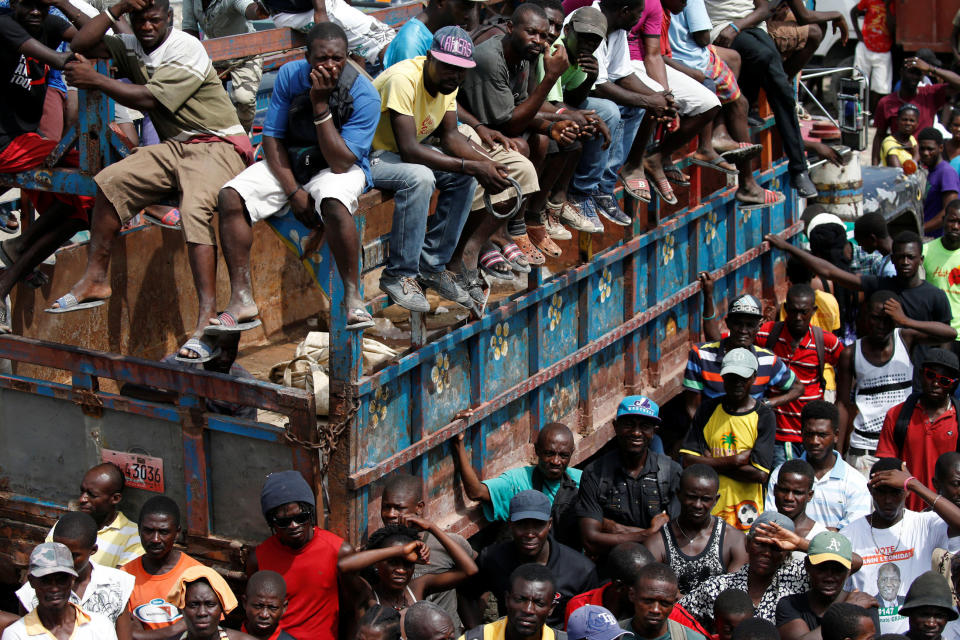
x=193, y=173
x=789, y=37
x=519, y=168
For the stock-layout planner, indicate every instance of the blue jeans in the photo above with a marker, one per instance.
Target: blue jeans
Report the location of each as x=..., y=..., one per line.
x=783, y=451
x=420, y=243
x=598, y=168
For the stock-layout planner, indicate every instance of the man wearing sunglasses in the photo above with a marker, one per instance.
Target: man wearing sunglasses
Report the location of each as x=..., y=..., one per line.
x=930, y=428
x=304, y=554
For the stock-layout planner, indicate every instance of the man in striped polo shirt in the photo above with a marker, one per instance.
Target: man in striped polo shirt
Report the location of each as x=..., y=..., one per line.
x=805, y=349
x=118, y=539
x=774, y=382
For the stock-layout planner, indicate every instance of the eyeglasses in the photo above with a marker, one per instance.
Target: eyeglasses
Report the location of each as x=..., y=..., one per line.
x=282, y=522
x=943, y=381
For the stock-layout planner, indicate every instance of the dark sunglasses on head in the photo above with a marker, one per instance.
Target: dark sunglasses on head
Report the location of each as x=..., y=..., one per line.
x=943, y=381
x=282, y=522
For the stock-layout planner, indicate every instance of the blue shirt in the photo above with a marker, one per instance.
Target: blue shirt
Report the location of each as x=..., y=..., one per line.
x=941, y=179
x=293, y=79
x=413, y=39
x=955, y=163
x=513, y=481
x=693, y=18
x=839, y=497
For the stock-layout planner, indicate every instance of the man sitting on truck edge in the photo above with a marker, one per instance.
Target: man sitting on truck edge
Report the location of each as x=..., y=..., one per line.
x=419, y=99
x=316, y=142
x=203, y=146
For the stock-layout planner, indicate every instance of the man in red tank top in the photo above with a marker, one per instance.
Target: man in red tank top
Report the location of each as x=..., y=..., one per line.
x=304, y=554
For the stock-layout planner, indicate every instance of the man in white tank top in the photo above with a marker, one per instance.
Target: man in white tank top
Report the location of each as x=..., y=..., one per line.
x=877, y=374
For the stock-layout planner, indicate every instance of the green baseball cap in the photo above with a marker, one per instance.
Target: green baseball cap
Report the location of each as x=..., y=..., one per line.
x=830, y=546
x=51, y=557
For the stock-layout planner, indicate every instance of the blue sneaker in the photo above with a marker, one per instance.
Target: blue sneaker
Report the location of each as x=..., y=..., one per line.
x=588, y=209
x=610, y=210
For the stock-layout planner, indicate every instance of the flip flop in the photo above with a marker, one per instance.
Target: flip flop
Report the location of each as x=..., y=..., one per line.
x=662, y=187
x=770, y=198
x=744, y=151
x=362, y=319
x=169, y=220
x=490, y=258
x=681, y=180
x=206, y=353
x=516, y=257
x=637, y=188
x=229, y=324
x=713, y=164
x=68, y=302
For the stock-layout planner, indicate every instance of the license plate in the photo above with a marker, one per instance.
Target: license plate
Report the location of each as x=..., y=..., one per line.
x=141, y=472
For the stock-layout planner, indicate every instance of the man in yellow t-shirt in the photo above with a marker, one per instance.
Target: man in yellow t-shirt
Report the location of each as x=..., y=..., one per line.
x=734, y=434
x=528, y=603
x=418, y=99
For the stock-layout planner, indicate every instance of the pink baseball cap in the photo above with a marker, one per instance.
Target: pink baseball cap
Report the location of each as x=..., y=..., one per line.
x=453, y=45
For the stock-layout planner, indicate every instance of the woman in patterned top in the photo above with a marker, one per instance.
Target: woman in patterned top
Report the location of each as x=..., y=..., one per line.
x=769, y=575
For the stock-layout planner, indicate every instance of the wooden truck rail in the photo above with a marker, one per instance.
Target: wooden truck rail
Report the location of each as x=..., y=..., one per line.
x=619, y=320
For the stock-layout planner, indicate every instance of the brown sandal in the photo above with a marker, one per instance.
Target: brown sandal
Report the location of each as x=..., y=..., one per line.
x=539, y=237
x=534, y=256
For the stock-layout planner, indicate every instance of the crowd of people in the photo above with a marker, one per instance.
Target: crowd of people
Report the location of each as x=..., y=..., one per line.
x=523, y=118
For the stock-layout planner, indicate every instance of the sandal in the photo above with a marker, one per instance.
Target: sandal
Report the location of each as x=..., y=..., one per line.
x=637, y=188
x=489, y=260
x=663, y=189
x=228, y=323
x=533, y=255
x=744, y=151
x=68, y=302
x=715, y=165
x=358, y=319
x=204, y=352
x=169, y=220
x=516, y=257
x=770, y=199
x=679, y=177
x=541, y=240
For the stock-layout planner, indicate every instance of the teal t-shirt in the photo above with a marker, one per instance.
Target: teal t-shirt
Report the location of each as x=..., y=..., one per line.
x=572, y=78
x=413, y=39
x=510, y=483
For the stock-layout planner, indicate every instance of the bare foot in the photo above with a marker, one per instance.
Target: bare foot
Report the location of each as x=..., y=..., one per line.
x=750, y=195
x=86, y=292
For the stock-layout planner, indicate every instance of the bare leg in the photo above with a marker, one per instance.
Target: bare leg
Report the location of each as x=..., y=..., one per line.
x=638, y=151
x=104, y=227
x=688, y=128
x=345, y=247
x=40, y=240
x=203, y=264
x=236, y=238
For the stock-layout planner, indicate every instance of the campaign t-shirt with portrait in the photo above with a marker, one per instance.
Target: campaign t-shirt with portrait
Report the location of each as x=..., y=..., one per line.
x=107, y=593
x=725, y=434
x=24, y=79
x=893, y=558
x=401, y=89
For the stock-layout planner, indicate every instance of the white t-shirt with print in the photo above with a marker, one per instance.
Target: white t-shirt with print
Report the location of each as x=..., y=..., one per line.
x=107, y=593
x=908, y=545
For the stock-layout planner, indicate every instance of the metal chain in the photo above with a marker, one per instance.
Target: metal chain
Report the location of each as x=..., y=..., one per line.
x=328, y=437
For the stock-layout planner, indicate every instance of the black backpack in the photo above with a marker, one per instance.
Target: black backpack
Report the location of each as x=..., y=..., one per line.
x=306, y=158
x=774, y=336
x=903, y=420
x=566, y=527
